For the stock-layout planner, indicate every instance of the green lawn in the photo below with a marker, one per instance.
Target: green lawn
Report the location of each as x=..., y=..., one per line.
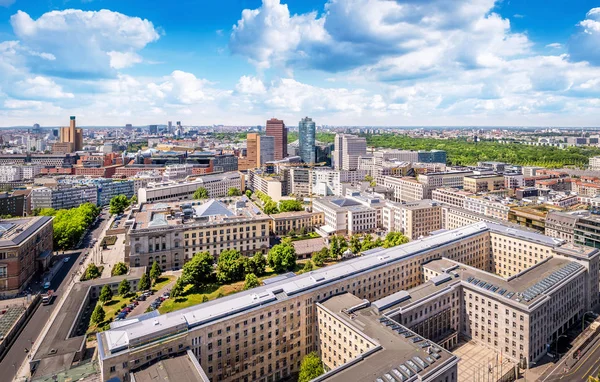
x=213, y=291
x=310, y=235
x=110, y=309
x=162, y=281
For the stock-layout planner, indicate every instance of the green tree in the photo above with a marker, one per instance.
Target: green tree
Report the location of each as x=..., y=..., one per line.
x=124, y=288
x=91, y=272
x=234, y=192
x=119, y=269
x=368, y=243
x=118, y=204
x=199, y=270
x=308, y=266
x=258, y=264
x=393, y=239
x=355, y=244
x=318, y=258
x=105, y=294
x=282, y=257
x=155, y=272
x=310, y=368
x=270, y=208
x=251, y=281
x=144, y=283
x=133, y=200
x=248, y=194
x=177, y=289
x=337, y=247
x=201, y=193
x=290, y=205
x=97, y=315
x=230, y=266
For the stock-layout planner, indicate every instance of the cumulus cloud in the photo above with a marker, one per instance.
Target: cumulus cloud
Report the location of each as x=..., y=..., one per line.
x=250, y=85
x=72, y=42
x=585, y=45
x=42, y=87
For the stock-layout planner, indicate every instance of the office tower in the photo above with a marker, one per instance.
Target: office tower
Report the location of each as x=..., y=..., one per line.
x=252, y=159
x=153, y=129
x=55, y=133
x=170, y=127
x=266, y=149
x=306, y=149
x=129, y=126
x=276, y=128
x=71, y=138
x=347, y=150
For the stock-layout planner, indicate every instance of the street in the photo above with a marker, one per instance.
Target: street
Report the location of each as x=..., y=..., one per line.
x=589, y=364
x=16, y=355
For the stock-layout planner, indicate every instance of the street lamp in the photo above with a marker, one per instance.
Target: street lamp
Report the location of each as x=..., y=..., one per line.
x=583, y=320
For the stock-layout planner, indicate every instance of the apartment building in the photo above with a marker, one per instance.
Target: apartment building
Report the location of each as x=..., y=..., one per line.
x=414, y=219
x=16, y=173
x=12, y=205
x=455, y=217
x=217, y=185
x=23, y=241
x=407, y=189
x=514, y=180
x=269, y=184
x=483, y=183
x=64, y=197
x=297, y=221
x=299, y=181
x=171, y=233
x=594, y=163
x=177, y=171
x=263, y=333
x=561, y=225
x=451, y=196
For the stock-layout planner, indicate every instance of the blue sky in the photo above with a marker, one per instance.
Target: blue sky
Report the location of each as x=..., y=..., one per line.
x=343, y=62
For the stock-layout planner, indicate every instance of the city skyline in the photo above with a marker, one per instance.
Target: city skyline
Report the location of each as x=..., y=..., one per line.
x=480, y=63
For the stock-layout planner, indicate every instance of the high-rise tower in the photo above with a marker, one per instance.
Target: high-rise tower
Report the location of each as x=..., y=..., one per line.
x=276, y=128
x=306, y=149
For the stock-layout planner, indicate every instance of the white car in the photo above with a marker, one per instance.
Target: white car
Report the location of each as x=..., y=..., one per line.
x=66, y=259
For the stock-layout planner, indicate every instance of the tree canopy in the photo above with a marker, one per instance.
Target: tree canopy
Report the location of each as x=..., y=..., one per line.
x=198, y=271
x=231, y=266
x=91, y=272
x=257, y=264
x=124, y=287
x=290, y=205
x=70, y=225
x=251, y=281
x=201, y=193
x=282, y=257
x=97, y=315
x=155, y=271
x=393, y=239
x=249, y=193
x=310, y=368
x=118, y=204
x=233, y=191
x=105, y=294
x=144, y=283
x=177, y=289
x=119, y=269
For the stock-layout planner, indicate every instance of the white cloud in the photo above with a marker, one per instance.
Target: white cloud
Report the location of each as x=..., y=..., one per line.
x=6, y=3
x=554, y=45
x=79, y=43
x=250, y=85
x=42, y=87
x=585, y=45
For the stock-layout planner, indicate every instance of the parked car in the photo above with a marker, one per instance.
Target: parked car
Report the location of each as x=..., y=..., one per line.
x=66, y=259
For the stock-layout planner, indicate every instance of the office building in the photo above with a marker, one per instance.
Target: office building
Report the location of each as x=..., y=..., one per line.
x=577, y=227
x=12, y=205
x=306, y=149
x=177, y=171
x=71, y=139
x=453, y=179
x=348, y=148
x=483, y=183
x=171, y=233
x=217, y=186
x=252, y=159
x=451, y=196
x=297, y=222
x=407, y=189
x=326, y=181
x=23, y=244
x=273, y=186
x=266, y=149
x=64, y=197
x=243, y=336
x=347, y=215
x=414, y=219
x=276, y=129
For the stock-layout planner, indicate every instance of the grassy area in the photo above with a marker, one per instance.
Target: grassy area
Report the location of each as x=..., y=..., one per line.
x=310, y=235
x=108, y=240
x=162, y=281
x=110, y=311
x=213, y=291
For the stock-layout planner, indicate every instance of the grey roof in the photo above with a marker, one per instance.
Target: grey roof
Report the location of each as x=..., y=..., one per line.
x=158, y=220
x=213, y=208
x=11, y=236
x=198, y=315
x=345, y=202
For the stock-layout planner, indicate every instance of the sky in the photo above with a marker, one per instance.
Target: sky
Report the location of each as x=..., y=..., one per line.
x=341, y=62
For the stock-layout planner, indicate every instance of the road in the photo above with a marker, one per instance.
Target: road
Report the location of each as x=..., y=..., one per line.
x=589, y=364
x=16, y=355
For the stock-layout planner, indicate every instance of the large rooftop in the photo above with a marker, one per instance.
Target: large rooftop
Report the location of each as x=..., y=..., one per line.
x=14, y=231
x=116, y=340
x=401, y=352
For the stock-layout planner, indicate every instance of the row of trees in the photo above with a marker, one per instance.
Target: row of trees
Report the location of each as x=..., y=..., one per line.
x=462, y=152
x=70, y=225
x=357, y=244
x=119, y=203
x=202, y=193
x=106, y=295
x=270, y=207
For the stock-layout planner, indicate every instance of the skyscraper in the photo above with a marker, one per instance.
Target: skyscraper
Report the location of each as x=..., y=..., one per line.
x=276, y=128
x=266, y=149
x=71, y=139
x=347, y=150
x=306, y=149
x=252, y=158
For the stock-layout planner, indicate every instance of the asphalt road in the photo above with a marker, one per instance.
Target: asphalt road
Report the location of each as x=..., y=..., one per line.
x=589, y=364
x=16, y=355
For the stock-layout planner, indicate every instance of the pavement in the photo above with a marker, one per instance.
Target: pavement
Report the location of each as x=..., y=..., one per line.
x=16, y=360
x=112, y=255
x=479, y=363
x=141, y=308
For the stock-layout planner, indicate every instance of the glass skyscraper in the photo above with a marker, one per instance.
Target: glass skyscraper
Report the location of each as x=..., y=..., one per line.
x=306, y=149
